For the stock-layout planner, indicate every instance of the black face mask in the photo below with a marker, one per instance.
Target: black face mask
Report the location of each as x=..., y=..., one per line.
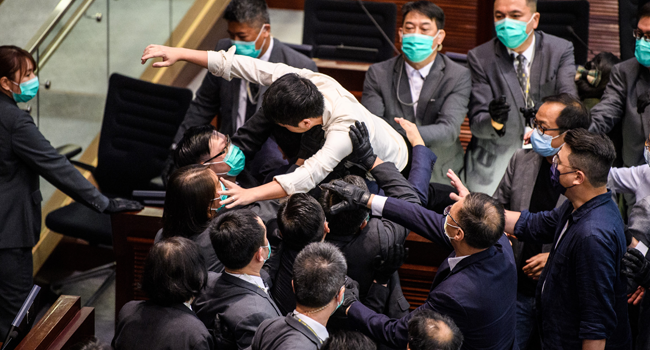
x=555, y=180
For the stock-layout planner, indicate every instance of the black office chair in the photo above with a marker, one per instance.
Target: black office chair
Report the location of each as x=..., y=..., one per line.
x=140, y=121
x=342, y=30
x=568, y=20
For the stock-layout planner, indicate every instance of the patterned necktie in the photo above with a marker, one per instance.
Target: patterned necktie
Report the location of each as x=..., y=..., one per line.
x=522, y=76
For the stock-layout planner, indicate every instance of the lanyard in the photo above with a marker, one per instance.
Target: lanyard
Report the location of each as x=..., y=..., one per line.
x=306, y=325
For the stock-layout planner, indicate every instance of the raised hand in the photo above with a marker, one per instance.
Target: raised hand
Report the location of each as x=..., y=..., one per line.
x=458, y=185
x=412, y=132
x=499, y=109
x=169, y=55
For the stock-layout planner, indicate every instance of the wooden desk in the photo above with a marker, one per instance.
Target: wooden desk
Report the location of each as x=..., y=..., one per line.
x=133, y=235
x=65, y=324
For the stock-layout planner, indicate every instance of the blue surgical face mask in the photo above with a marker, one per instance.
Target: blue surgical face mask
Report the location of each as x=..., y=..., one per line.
x=511, y=32
x=28, y=90
x=418, y=47
x=222, y=198
x=642, y=52
x=235, y=158
x=542, y=143
x=247, y=48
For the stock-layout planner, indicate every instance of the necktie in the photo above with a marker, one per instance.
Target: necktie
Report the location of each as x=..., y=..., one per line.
x=522, y=76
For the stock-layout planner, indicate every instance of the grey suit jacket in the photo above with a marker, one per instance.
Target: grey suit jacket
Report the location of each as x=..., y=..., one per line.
x=493, y=75
x=233, y=309
x=627, y=81
x=284, y=333
x=516, y=189
x=217, y=96
x=24, y=155
x=441, y=108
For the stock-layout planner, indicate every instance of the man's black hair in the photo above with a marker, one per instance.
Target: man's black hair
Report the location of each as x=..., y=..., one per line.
x=345, y=340
x=190, y=193
x=532, y=5
x=194, y=146
x=236, y=236
x=644, y=11
x=482, y=218
x=254, y=13
x=591, y=153
x=425, y=332
x=301, y=221
x=174, y=271
x=345, y=223
x=427, y=8
x=291, y=98
x=574, y=115
x=318, y=274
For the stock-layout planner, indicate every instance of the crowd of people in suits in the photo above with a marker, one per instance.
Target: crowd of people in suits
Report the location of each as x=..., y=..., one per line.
x=285, y=226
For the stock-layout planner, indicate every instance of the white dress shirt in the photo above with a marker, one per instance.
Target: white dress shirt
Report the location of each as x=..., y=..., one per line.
x=319, y=329
x=454, y=261
x=255, y=280
x=416, y=81
x=341, y=111
x=634, y=180
x=243, y=95
x=529, y=54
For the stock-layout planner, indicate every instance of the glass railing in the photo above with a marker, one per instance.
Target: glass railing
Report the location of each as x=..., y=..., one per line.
x=79, y=45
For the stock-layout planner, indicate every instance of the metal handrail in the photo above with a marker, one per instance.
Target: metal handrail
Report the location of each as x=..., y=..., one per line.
x=52, y=20
x=63, y=33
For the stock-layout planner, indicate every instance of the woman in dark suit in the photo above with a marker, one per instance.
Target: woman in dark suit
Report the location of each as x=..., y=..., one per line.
x=174, y=274
x=191, y=202
x=24, y=155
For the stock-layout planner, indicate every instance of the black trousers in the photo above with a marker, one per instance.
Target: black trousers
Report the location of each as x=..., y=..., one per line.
x=16, y=268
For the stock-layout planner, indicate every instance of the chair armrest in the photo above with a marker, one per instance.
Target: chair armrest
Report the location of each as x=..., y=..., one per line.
x=83, y=166
x=69, y=150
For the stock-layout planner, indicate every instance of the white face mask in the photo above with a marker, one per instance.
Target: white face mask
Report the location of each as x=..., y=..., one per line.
x=445, y=229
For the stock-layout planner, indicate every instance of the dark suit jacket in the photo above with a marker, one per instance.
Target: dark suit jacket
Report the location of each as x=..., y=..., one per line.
x=627, y=82
x=202, y=240
x=217, y=96
x=379, y=234
x=516, y=189
x=145, y=325
x=479, y=294
x=233, y=309
x=284, y=333
x=441, y=108
x=493, y=75
x=24, y=155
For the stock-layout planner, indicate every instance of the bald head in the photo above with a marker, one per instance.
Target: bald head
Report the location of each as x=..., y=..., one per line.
x=431, y=330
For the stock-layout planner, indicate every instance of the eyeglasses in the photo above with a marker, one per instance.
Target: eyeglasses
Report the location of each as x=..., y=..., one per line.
x=447, y=212
x=225, y=149
x=556, y=162
x=542, y=129
x=639, y=34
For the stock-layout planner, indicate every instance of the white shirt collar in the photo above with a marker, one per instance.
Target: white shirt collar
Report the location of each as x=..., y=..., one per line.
x=255, y=280
x=424, y=71
x=321, y=331
x=267, y=54
x=454, y=261
x=529, y=54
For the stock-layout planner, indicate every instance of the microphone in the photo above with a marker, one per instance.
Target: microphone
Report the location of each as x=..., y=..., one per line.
x=378, y=26
x=570, y=29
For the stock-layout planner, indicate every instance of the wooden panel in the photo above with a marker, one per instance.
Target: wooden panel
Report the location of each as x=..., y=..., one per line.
x=133, y=235
x=603, y=27
x=45, y=332
x=80, y=328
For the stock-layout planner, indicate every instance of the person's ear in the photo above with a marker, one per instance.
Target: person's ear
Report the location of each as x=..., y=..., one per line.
x=340, y=295
x=580, y=178
x=293, y=288
x=260, y=255
x=326, y=229
x=440, y=39
x=401, y=33
x=460, y=235
x=305, y=124
x=535, y=21
x=6, y=84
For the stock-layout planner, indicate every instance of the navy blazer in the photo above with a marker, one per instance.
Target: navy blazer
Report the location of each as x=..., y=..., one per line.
x=581, y=293
x=479, y=294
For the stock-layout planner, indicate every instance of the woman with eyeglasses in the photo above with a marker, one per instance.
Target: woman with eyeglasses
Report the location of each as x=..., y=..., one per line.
x=191, y=202
x=25, y=155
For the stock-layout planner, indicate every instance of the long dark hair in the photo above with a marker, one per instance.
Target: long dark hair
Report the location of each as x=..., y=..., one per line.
x=190, y=192
x=14, y=59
